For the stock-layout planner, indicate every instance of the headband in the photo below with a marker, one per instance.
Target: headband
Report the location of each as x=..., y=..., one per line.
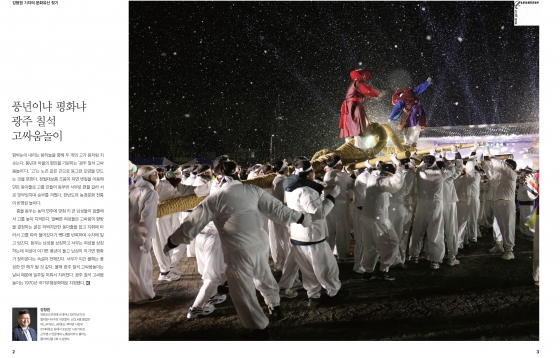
x=224, y=179
x=337, y=163
x=148, y=173
x=301, y=170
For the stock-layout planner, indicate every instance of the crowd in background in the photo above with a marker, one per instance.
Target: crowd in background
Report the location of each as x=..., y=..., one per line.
x=305, y=224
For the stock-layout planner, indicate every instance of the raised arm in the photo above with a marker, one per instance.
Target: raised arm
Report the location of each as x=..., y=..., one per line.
x=312, y=204
x=366, y=90
x=418, y=90
x=193, y=224
x=275, y=210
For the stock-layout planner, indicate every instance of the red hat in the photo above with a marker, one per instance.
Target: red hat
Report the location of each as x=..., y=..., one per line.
x=357, y=74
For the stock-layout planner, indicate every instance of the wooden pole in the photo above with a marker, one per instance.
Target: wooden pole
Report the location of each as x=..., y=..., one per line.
x=386, y=158
x=447, y=147
x=406, y=154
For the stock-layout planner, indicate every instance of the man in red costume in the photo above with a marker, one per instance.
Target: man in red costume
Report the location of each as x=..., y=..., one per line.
x=353, y=119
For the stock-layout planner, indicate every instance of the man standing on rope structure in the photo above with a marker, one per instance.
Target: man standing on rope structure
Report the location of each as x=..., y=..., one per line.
x=406, y=99
x=353, y=119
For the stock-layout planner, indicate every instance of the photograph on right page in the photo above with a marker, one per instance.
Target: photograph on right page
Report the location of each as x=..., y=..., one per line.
x=333, y=171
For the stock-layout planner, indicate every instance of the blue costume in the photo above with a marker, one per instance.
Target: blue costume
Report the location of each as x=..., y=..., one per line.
x=406, y=99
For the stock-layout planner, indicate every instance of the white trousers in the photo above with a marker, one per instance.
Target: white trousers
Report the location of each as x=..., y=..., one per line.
x=467, y=213
x=496, y=231
x=487, y=217
x=358, y=238
x=178, y=252
x=481, y=212
x=279, y=237
x=401, y=217
x=290, y=271
x=411, y=134
x=338, y=225
x=462, y=223
x=488, y=220
x=140, y=274
x=318, y=269
x=451, y=229
x=210, y=262
x=359, y=141
x=524, y=211
x=246, y=270
x=164, y=229
x=505, y=216
x=380, y=237
x=536, y=252
x=165, y=226
x=428, y=218
x=474, y=208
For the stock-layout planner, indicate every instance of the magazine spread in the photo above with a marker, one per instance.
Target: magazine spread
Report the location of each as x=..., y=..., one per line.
x=73, y=92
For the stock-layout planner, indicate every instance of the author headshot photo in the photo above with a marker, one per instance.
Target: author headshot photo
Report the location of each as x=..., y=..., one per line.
x=23, y=332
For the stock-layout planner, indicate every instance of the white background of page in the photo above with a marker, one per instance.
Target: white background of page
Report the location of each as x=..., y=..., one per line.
x=78, y=50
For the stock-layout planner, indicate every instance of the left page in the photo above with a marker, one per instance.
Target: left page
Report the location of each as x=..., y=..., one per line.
x=64, y=104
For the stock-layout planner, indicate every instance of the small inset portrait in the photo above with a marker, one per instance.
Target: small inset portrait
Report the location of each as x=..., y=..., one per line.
x=25, y=327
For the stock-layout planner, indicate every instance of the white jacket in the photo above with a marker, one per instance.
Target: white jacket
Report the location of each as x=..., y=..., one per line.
x=166, y=191
x=378, y=192
x=190, y=179
x=468, y=185
x=236, y=210
x=502, y=178
x=142, y=213
x=343, y=180
x=449, y=193
x=405, y=195
x=522, y=194
x=430, y=182
x=360, y=188
x=278, y=188
x=308, y=200
x=202, y=186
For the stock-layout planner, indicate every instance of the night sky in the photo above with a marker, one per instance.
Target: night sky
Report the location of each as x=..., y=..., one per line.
x=208, y=78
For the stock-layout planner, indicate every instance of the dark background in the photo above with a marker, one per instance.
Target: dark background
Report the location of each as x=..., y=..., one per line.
x=32, y=314
x=208, y=78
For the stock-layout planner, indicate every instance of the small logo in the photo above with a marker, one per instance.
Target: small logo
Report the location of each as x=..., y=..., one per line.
x=526, y=15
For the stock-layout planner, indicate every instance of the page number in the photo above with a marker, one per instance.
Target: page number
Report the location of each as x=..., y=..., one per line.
x=537, y=351
x=13, y=351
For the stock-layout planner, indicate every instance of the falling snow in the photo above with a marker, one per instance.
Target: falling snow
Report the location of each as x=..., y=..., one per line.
x=259, y=68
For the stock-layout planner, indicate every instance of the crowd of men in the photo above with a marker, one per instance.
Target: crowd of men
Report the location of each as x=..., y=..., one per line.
x=305, y=224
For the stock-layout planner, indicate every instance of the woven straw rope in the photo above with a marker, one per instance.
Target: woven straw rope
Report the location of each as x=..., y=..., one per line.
x=348, y=152
x=184, y=203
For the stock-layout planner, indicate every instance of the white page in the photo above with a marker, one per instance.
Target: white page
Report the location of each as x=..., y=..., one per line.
x=78, y=51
